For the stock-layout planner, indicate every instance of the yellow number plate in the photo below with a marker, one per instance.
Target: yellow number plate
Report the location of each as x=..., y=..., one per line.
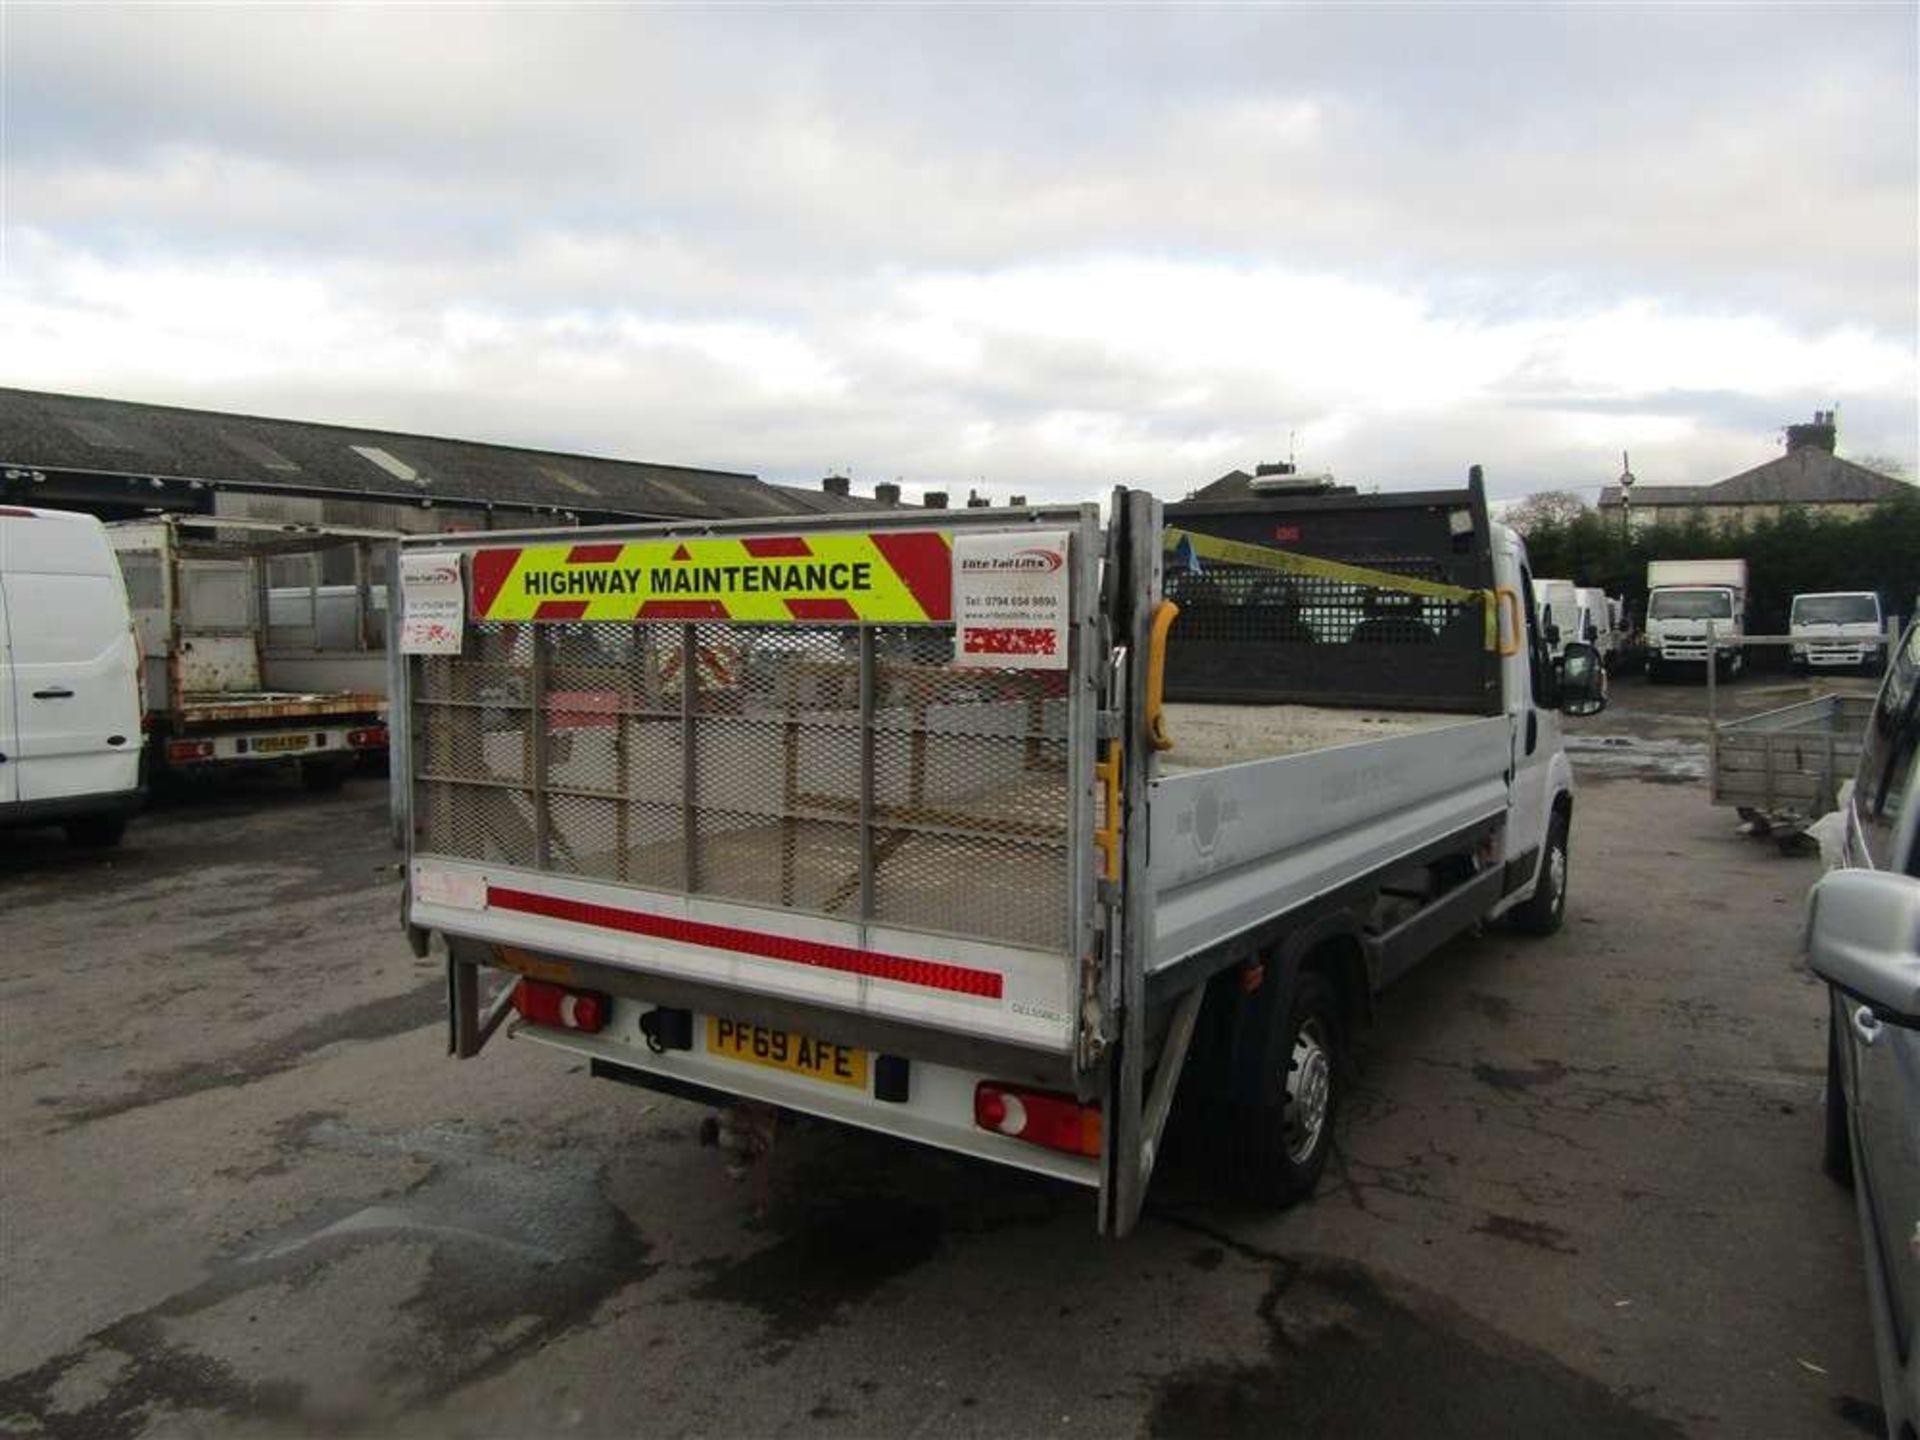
x=783, y=1050
x=268, y=744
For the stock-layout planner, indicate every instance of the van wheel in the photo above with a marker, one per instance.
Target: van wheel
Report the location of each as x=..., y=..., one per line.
x=1276, y=1145
x=322, y=775
x=96, y=832
x=1656, y=673
x=1541, y=912
x=1837, y=1153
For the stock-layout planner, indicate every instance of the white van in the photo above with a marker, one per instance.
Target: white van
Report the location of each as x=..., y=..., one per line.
x=1559, y=613
x=1597, y=626
x=69, y=678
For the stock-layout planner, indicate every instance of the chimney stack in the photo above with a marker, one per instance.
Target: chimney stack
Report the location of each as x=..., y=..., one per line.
x=837, y=485
x=977, y=501
x=1820, y=435
x=1018, y=501
x=934, y=499
x=887, y=493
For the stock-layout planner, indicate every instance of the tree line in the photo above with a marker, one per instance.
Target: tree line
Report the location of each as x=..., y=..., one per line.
x=1787, y=554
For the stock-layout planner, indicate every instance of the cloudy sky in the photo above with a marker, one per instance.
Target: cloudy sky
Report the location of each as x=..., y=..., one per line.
x=1034, y=250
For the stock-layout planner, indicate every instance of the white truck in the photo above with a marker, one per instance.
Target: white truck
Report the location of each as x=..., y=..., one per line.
x=238, y=672
x=1021, y=825
x=1838, y=628
x=1683, y=597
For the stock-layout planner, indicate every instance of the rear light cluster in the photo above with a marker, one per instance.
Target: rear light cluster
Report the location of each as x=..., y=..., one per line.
x=1058, y=1122
x=183, y=750
x=374, y=737
x=560, y=1008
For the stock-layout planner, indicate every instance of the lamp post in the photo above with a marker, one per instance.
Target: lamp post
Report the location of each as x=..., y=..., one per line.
x=1626, y=500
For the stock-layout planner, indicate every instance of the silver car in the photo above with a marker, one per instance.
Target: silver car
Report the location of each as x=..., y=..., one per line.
x=1863, y=939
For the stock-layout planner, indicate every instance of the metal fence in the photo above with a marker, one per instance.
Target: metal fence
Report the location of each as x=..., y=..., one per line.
x=852, y=772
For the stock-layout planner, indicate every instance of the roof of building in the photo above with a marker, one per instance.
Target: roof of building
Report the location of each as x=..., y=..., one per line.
x=1239, y=485
x=820, y=502
x=83, y=434
x=1807, y=476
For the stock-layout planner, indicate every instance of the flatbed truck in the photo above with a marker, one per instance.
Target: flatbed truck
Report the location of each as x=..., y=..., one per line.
x=996, y=830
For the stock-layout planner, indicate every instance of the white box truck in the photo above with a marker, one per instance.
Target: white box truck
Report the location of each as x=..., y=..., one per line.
x=1683, y=597
x=1023, y=823
x=69, y=678
x=1833, y=629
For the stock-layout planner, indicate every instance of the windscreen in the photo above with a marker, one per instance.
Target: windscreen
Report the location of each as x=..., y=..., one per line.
x=1690, y=605
x=1836, y=610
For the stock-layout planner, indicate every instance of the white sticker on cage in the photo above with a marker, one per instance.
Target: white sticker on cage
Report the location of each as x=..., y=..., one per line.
x=455, y=889
x=434, y=600
x=1011, y=599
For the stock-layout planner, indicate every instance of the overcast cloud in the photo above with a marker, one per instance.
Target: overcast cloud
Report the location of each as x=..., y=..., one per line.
x=1041, y=251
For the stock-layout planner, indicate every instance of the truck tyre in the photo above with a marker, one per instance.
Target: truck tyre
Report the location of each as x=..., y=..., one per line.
x=321, y=776
x=96, y=832
x=1541, y=912
x=1276, y=1145
x=1656, y=673
x=1837, y=1153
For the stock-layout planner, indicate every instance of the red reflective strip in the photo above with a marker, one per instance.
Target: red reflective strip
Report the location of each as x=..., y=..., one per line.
x=924, y=564
x=770, y=547
x=490, y=571
x=830, y=607
x=594, y=554
x=560, y=610
x=16, y=513
x=683, y=610
x=932, y=974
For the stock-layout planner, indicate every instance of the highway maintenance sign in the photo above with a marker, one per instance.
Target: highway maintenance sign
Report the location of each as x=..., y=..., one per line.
x=896, y=577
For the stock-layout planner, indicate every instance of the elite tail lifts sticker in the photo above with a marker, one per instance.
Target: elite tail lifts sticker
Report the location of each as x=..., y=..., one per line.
x=898, y=577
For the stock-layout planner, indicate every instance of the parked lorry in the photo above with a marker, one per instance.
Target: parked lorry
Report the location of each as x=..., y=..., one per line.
x=1026, y=826
x=236, y=673
x=1838, y=628
x=1684, y=597
x=69, y=679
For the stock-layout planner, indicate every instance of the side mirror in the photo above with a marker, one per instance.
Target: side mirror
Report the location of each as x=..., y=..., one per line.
x=1583, y=680
x=1593, y=632
x=1863, y=938
x=1552, y=632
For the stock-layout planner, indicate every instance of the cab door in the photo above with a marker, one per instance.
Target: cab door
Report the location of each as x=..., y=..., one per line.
x=1536, y=734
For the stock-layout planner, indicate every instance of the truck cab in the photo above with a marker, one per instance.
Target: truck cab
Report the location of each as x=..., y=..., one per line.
x=1696, y=612
x=1836, y=629
x=1558, y=606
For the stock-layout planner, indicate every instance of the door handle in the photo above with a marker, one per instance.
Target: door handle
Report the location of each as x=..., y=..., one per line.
x=1866, y=1025
x=55, y=693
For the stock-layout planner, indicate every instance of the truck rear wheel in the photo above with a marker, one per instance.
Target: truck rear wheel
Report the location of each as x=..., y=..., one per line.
x=1541, y=912
x=1276, y=1144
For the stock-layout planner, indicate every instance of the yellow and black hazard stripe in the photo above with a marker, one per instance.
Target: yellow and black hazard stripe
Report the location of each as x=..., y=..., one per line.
x=895, y=577
x=1238, y=552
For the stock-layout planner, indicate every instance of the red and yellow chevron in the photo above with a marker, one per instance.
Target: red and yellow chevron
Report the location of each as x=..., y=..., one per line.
x=893, y=576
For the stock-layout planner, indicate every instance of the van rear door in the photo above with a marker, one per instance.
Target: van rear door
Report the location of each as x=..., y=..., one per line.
x=76, y=704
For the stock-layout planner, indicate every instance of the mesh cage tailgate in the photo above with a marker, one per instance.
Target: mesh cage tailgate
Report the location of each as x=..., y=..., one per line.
x=748, y=763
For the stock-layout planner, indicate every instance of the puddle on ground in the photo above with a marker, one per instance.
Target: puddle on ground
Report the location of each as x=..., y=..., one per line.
x=1346, y=1359
x=349, y=1317
x=1632, y=757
